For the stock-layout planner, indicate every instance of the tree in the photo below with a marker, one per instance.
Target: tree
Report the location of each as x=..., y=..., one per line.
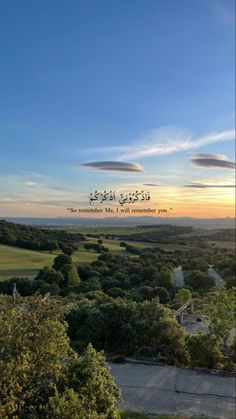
x=162, y=293
x=183, y=295
x=65, y=270
x=73, y=277
x=158, y=329
x=164, y=278
x=116, y=292
x=196, y=264
x=25, y=286
x=94, y=394
x=66, y=249
x=199, y=281
x=60, y=261
x=41, y=376
x=204, y=351
x=50, y=276
x=230, y=282
x=219, y=308
x=135, y=279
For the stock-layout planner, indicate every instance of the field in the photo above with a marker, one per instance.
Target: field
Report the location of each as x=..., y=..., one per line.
x=222, y=245
x=26, y=263
x=114, y=245
x=106, y=230
x=21, y=262
x=16, y=261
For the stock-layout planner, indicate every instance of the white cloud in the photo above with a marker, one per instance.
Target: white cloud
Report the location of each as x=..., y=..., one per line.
x=30, y=184
x=166, y=140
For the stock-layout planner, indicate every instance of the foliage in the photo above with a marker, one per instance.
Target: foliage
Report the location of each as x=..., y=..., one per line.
x=183, y=295
x=35, y=238
x=25, y=286
x=195, y=264
x=199, y=281
x=122, y=326
x=41, y=376
x=219, y=306
x=97, y=247
x=73, y=278
x=164, y=278
x=204, y=351
x=61, y=260
x=50, y=276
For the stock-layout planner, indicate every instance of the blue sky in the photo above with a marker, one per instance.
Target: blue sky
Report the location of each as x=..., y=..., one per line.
x=149, y=82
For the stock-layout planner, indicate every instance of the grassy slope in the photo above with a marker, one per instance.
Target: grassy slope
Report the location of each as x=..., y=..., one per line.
x=106, y=230
x=22, y=262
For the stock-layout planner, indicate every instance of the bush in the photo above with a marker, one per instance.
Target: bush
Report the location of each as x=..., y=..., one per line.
x=204, y=352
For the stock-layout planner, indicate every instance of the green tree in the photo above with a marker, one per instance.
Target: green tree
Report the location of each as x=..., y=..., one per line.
x=183, y=295
x=219, y=308
x=199, y=281
x=204, y=351
x=195, y=264
x=164, y=278
x=41, y=376
x=73, y=277
x=158, y=329
x=50, y=276
x=60, y=261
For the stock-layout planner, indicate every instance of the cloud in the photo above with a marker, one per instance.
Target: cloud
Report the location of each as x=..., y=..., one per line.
x=203, y=185
x=172, y=141
x=58, y=188
x=212, y=161
x=163, y=141
x=115, y=166
x=150, y=184
x=30, y=184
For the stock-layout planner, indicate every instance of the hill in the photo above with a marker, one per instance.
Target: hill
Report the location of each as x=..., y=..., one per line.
x=208, y=223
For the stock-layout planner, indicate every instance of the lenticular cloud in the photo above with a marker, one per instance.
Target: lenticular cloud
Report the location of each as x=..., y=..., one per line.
x=114, y=166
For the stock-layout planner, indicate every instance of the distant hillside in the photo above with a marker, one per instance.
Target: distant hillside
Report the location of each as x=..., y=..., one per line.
x=225, y=235
x=35, y=238
x=205, y=223
x=165, y=233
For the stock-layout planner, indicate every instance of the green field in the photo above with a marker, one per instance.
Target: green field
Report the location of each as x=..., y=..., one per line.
x=21, y=262
x=114, y=245
x=106, y=230
x=26, y=263
x=15, y=261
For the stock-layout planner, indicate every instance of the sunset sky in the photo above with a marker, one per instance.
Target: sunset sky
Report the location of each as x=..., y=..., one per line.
x=117, y=95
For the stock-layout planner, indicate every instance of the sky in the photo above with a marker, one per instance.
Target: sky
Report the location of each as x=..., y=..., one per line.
x=120, y=96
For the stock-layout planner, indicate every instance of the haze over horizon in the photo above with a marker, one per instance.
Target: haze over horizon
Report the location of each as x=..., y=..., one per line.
x=124, y=96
